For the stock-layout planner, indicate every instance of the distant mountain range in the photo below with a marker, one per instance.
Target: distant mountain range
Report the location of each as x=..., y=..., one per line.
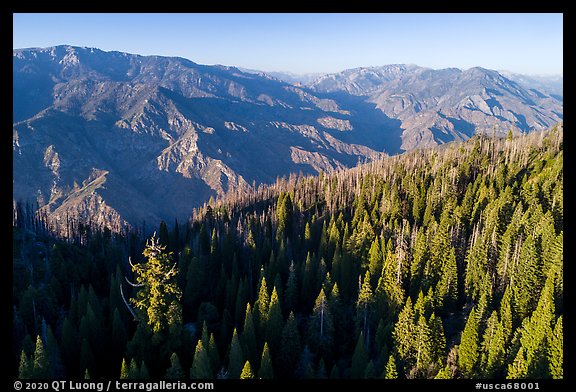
x=118, y=138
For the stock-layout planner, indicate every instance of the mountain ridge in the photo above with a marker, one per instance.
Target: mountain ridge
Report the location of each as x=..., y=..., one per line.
x=152, y=137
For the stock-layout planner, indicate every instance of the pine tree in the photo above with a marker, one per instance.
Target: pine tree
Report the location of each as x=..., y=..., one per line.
x=493, y=349
x=364, y=302
x=246, y=371
x=133, y=370
x=119, y=335
x=236, y=357
x=201, y=368
x=175, y=371
x=424, y=349
x=195, y=285
x=158, y=290
x=370, y=371
x=447, y=290
x=468, y=350
x=526, y=280
x=359, y=359
x=284, y=216
x=438, y=343
x=519, y=367
x=124, y=370
x=275, y=324
x=53, y=352
x=41, y=364
x=144, y=375
x=390, y=371
x=444, y=374
x=536, y=329
x=555, y=350
x=321, y=373
x=25, y=369
x=261, y=307
x=321, y=326
x=265, y=371
x=290, y=346
x=404, y=334
x=248, y=337
x=291, y=299
x=375, y=261
x=506, y=315
x=213, y=355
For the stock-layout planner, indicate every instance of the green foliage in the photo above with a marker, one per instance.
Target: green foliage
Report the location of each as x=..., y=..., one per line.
x=275, y=323
x=246, y=371
x=390, y=371
x=469, y=347
x=41, y=366
x=350, y=274
x=25, y=368
x=236, y=357
x=158, y=297
x=555, y=350
x=201, y=368
x=124, y=370
x=289, y=346
x=175, y=371
x=359, y=359
x=265, y=370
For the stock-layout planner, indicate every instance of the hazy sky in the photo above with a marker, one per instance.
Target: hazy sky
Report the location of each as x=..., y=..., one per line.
x=300, y=43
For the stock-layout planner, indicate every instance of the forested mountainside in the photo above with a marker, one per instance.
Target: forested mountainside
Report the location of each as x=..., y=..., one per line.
x=440, y=263
x=114, y=139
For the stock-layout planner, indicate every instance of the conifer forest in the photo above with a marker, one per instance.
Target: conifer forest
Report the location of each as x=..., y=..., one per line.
x=438, y=263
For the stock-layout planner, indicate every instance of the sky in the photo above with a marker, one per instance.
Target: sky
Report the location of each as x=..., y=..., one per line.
x=527, y=43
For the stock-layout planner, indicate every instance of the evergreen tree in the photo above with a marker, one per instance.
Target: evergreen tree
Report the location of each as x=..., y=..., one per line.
x=438, y=339
x=404, y=333
x=289, y=347
x=213, y=354
x=364, y=302
x=195, y=285
x=359, y=359
x=468, y=350
x=370, y=371
x=536, y=329
x=493, y=349
x=518, y=368
x=144, y=375
x=133, y=370
x=321, y=326
x=25, y=369
x=291, y=300
x=124, y=370
x=175, y=371
x=158, y=291
x=447, y=290
x=246, y=371
x=261, y=306
x=41, y=364
x=555, y=350
x=201, y=368
x=236, y=357
x=275, y=323
x=265, y=371
x=375, y=261
x=390, y=371
x=248, y=337
x=424, y=348
x=284, y=216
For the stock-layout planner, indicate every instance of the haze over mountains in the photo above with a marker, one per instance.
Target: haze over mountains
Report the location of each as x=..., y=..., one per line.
x=120, y=138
